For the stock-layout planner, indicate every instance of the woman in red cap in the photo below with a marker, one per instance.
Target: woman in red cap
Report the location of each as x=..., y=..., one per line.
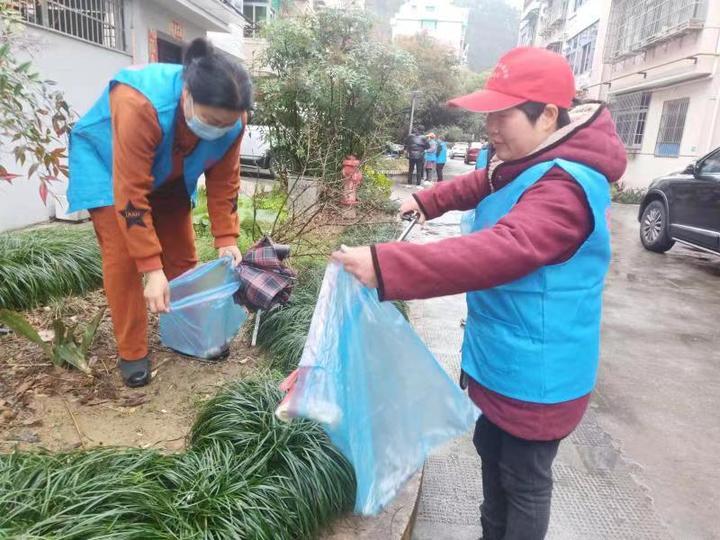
x=533, y=268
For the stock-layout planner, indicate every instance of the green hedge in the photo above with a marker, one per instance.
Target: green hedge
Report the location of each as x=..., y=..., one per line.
x=244, y=475
x=42, y=264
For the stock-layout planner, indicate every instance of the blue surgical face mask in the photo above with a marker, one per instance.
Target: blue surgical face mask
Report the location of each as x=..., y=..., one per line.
x=205, y=131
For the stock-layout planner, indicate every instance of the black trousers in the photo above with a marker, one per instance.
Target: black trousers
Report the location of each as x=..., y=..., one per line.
x=416, y=163
x=517, y=483
x=440, y=167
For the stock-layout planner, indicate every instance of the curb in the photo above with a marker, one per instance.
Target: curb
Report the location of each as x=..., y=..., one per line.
x=395, y=522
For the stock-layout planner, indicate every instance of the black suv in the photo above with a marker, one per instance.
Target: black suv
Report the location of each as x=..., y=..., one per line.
x=684, y=207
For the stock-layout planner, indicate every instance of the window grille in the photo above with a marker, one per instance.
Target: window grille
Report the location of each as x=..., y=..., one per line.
x=580, y=49
x=630, y=114
x=638, y=24
x=672, y=125
x=96, y=21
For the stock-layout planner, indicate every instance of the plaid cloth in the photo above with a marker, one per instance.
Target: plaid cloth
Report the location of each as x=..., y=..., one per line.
x=265, y=281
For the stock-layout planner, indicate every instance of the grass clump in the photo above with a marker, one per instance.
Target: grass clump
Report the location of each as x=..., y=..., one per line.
x=44, y=264
x=283, y=331
x=623, y=195
x=245, y=475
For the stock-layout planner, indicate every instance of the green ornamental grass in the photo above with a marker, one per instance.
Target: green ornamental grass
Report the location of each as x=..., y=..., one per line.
x=283, y=331
x=42, y=264
x=245, y=475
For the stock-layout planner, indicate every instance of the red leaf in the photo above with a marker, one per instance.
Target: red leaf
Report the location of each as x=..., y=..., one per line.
x=43, y=192
x=8, y=177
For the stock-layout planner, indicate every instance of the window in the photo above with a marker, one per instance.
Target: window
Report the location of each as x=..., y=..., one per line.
x=430, y=8
x=630, y=113
x=576, y=4
x=711, y=165
x=580, y=50
x=672, y=125
x=555, y=47
x=96, y=21
x=256, y=14
x=428, y=25
x=635, y=25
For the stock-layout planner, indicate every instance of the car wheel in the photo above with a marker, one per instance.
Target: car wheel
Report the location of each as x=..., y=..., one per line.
x=654, y=228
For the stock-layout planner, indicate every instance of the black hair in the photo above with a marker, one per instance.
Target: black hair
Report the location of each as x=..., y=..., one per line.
x=214, y=80
x=533, y=110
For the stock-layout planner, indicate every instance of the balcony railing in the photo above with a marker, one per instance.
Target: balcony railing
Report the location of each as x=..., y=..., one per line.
x=636, y=25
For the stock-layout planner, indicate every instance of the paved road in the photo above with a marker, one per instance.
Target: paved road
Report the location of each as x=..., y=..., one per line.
x=645, y=462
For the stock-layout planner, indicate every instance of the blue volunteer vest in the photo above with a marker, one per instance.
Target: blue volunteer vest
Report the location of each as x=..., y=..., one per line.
x=467, y=220
x=431, y=155
x=90, y=160
x=482, y=158
x=537, y=339
x=442, y=153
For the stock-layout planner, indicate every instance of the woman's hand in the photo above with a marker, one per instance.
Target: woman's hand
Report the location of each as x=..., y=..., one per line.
x=358, y=262
x=231, y=251
x=411, y=205
x=157, y=292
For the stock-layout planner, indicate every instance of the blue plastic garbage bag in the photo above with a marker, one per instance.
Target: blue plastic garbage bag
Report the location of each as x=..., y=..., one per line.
x=467, y=220
x=379, y=393
x=204, y=318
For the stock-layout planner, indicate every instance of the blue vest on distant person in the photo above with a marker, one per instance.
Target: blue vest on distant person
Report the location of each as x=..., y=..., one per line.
x=431, y=153
x=442, y=153
x=482, y=158
x=90, y=184
x=467, y=220
x=537, y=339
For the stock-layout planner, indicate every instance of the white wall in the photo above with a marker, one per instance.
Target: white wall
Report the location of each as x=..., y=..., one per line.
x=702, y=124
x=149, y=16
x=231, y=42
x=644, y=166
x=589, y=13
x=451, y=22
x=81, y=71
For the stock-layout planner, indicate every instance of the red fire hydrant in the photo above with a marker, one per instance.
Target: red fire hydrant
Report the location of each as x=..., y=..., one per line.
x=352, y=178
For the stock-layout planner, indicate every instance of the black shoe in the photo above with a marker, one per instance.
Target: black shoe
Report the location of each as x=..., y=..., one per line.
x=136, y=373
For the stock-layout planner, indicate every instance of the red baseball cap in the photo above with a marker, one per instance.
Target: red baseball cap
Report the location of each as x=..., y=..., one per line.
x=523, y=74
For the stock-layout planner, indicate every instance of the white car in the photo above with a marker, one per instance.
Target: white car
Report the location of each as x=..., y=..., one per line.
x=255, y=149
x=458, y=150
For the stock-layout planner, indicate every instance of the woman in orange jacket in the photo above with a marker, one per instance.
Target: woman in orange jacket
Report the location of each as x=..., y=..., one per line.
x=135, y=160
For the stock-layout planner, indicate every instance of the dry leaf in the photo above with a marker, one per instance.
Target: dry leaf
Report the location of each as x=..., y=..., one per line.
x=46, y=335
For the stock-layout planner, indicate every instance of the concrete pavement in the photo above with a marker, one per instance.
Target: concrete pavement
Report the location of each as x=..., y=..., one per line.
x=645, y=462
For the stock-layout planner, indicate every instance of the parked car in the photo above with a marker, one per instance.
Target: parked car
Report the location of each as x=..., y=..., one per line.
x=458, y=150
x=684, y=207
x=254, y=149
x=473, y=151
x=394, y=149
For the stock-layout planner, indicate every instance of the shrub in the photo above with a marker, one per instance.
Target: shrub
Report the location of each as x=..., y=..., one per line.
x=627, y=195
x=244, y=475
x=39, y=265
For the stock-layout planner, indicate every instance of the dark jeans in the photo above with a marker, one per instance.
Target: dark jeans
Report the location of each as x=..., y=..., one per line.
x=416, y=163
x=428, y=174
x=440, y=167
x=517, y=483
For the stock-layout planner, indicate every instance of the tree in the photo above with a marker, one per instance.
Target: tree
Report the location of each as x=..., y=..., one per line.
x=34, y=118
x=493, y=29
x=332, y=91
x=437, y=80
x=440, y=78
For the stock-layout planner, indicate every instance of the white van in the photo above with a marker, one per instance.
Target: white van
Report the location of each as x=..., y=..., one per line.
x=254, y=149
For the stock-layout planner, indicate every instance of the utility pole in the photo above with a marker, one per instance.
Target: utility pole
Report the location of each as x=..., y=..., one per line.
x=412, y=111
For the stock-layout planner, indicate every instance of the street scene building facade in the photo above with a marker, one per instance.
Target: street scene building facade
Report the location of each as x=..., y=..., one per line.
x=440, y=19
x=655, y=62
